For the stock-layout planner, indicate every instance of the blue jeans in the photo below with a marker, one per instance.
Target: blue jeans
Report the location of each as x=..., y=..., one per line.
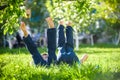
x=37, y=58
x=65, y=46
x=65, y=49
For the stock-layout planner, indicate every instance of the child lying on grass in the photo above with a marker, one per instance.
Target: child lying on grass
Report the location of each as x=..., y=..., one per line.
x=66, y=52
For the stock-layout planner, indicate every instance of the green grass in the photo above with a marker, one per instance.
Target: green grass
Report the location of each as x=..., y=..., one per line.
x=103, y=64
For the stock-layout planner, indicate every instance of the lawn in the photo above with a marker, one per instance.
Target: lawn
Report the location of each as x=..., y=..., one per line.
x=103, y=64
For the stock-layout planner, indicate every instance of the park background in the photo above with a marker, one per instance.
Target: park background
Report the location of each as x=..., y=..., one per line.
x=96, y=26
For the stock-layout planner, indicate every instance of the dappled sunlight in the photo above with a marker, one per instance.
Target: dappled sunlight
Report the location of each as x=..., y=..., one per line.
x=92, y=28
x=102, y=61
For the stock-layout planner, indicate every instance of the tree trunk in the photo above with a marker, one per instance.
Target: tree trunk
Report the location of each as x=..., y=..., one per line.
x=4, y=41
x=92, y=40
x=10, y=44
x=118, y=39
x=45, y=40
x=77, y=41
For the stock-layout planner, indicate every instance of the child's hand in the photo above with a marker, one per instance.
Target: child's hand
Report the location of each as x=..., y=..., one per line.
x=23, y=28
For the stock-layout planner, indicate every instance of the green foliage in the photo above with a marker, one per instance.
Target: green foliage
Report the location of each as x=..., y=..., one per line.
x=103, y=64
x=38, y=14
x=83, y=13
x=9, y=17
x=109, y=10
x=79, y=12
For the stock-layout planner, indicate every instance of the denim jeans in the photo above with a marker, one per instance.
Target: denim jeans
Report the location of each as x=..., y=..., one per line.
x=65, y=46
x=37, y=58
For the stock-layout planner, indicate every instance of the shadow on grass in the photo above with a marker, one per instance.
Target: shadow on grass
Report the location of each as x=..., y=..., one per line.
x=19, y=50
x=116, y=76
x=90, y=51
x=83, y=48
x=99, y=46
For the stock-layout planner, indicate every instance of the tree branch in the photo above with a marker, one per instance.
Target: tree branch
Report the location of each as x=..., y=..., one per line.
x=3, y=7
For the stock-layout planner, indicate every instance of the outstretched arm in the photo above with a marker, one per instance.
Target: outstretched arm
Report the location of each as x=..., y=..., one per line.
x=31, y=46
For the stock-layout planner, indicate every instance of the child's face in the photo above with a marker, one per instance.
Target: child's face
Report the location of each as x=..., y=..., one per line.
x=45, y=57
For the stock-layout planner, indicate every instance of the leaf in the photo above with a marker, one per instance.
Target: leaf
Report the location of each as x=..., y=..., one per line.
x=11, y=31
x=11, y=7
x=1, y=21
x=5, y=30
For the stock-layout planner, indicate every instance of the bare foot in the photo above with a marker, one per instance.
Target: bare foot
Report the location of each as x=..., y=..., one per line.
x=84, y=58
x=50, y=22
x=23, y=28
x=61, y=22
x=68, y=23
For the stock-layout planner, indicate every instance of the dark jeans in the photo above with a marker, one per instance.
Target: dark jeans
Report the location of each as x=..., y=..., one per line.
x=65, y=49
x=65, y=46
x=37, y=58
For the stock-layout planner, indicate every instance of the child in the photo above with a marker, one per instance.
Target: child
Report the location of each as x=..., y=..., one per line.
x=65, y=49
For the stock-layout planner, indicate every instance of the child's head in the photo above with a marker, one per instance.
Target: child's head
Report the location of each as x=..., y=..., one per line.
x=45, y=56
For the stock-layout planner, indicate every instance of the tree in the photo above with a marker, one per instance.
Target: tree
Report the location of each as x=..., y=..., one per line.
x=83, y=13
x=13, y=11
x=113, y=18
x=80, y=12
x=10, y=12
x=38, y=14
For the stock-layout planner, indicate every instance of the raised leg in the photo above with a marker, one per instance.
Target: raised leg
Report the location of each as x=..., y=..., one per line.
x=72, y=57
x=61, y=36
x=61, y=42
x=51, y=40
x=69, y=36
